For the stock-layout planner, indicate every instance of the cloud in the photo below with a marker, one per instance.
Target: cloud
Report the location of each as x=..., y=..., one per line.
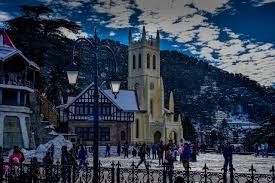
x=112, y=33
x=69, y=34
x=262, y=2
x=187, y=22
x=4, y=16
x=184, y=21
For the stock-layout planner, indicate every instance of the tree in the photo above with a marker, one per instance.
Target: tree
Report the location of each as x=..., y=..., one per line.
x=189, y=132
x=42, y=40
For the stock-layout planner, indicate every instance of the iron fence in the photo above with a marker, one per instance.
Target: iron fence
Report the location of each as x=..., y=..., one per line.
x=34, y=172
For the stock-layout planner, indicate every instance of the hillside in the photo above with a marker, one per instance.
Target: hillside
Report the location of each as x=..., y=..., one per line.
x=199, y=88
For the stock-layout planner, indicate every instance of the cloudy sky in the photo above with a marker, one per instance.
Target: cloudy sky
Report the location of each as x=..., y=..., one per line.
x=235, y=35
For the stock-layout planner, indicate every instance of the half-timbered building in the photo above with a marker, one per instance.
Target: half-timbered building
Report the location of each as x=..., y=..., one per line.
x=115, y=115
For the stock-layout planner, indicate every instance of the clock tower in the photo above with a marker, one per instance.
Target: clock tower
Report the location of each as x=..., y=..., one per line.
x=144, y=77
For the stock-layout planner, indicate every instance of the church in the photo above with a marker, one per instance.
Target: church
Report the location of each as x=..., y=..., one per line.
x=153, y=123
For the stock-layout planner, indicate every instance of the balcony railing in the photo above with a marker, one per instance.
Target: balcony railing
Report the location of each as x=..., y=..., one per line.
x=17, y=79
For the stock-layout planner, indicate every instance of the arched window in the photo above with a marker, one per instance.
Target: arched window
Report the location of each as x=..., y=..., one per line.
x=123, y=135
x=148, y=61
x=137, y=128
x=151, y=107
x=134, y=61
x=139, y=61
x=154, y=61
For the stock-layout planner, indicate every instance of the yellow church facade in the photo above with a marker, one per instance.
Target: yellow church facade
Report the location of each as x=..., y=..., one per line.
x=154, y=122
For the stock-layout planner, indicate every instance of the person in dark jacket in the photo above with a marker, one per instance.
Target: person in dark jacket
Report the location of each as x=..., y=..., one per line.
x=160, y=152
x=108, y=150
x=118, y=148
x=154, y=150
x=227, y=154
x=82, y=155
x=126, y=149
x=185, y=155
x=142, y=154
x=134, y=152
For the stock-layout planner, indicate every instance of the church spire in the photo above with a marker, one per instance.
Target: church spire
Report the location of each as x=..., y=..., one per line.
x=171, y=103
x=143, y=34
x=130, y=36
x=157, y=36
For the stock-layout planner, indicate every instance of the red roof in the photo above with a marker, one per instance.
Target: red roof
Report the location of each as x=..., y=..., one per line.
x=5, y=40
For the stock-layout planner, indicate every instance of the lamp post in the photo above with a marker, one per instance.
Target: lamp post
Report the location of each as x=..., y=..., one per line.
x=72, y=72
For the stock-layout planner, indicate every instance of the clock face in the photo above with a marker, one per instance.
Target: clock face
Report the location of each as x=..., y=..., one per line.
x=152, y=86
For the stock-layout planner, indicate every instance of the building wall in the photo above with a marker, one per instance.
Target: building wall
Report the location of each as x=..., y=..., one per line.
x=15, y=114
x=116, y=129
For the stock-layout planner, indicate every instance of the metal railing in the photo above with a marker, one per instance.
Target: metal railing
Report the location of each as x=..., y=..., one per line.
x=115, y=173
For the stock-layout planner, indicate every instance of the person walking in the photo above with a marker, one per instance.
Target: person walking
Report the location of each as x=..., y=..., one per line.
x=142, y=153
x=185, y=155
x=134, y=152
x=51, y=151
x=148, y=151
x=126, y=149
x=82, y=155
x=67, y=160
x=160, y=152
x=263, y=149
x=118, y=148
x=48, y=162
x=266, y=149
x=108, y=149
x=154, y=150
x=227, y=155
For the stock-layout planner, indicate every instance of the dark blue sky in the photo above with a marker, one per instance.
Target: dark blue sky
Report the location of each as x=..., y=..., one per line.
x=235, y=35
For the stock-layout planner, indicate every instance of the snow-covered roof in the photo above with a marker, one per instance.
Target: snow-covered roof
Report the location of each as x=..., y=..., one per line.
x=8, y=52
x=126, y=100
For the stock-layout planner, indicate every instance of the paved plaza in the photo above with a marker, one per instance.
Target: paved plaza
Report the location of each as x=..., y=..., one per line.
x=242, y=163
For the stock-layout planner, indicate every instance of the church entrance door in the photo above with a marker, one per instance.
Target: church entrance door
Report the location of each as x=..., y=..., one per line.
x=157, y=137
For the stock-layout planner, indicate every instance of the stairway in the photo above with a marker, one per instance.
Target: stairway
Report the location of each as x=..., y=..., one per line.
x=44, y=114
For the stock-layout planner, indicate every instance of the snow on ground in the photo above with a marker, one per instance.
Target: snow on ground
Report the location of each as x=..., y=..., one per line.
x=242, y=163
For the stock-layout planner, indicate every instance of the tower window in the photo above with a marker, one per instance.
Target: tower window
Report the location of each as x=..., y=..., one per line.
x=151, y=107
x=134, y=61
x=137, y=128
x=154, y=61
x=139, y=61
x=148, y=61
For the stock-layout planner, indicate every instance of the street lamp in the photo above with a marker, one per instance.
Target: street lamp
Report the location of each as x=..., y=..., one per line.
x=72, y=73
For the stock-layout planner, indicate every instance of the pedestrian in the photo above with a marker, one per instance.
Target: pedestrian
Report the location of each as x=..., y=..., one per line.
x=108, y=149
x=148, y=151
x=154, y=150
x=266, y=148
x=185, y=155
x=194, y=152
x=175, y=149
x=169, y=159
x=160, y=152
x=126, y=149
x=82, y=155
x=17, y=154
x=67, y=160
x=255, y=146
x=142, y=153
x=227, y=155
x=262, y=149
x=118, y=148
x=51, y=150
x=48, y=162
x=134, y=152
